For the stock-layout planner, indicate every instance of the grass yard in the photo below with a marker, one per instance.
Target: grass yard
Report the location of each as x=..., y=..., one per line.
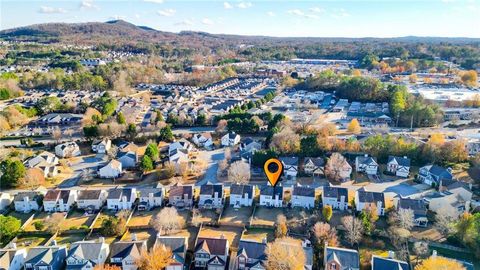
x=143, y=218
x=231, y=233
x=94, y=237
x=257, y=235
x=205, y=216
x=32, y=241
x=266, y=216
x=103, y=215
x=39, y=217
x=297, y=218
x=22, y=216
x=76, y=219
x=236, y=215
x=68, y=239
x=148, y=235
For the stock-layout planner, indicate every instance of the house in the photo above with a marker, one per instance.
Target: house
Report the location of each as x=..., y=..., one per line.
x=366, y=164
x=455, y=200
x=313, y=166
x=419, y=210
x=180, y=151
x=178, y=245
x=101, y=146
x=27, y=201
x=389, y=263
x=250, y=255
x=434, y=174
x=211, y=196
x=121, y=198
x=341, y=259
x=180, y=145
x=12, y=258
x=181, y=196
x=290, y=167
x=91, y=200
x=46, y=257
x=59, y=200
x=230, y=139
x=46, y=162
x=399, y=166
x=203, y=139
x=211, y=253
x=336, y=197
x=5, y=200
x=370, y=200
x=85, y=255
x=150, y=198
x=250, y=145
x=126, y=253
x=303, y=197
x=271, y=196
x=241, y=195
x=67, y=150
x=128, y=159
x=112, y=170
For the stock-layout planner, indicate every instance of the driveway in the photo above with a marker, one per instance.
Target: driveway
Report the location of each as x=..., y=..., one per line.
x=212, y=158
x=85, y=164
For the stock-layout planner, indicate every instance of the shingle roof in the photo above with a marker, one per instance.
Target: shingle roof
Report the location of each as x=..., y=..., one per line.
x=89, y=194
x=335, y=192
x=318, y=162
x=379, y=263
x=371, y=197
x=241, y=189
x=348, y=258
x=418, y=206
x=209, y=189
x=126, y=248
x=252, y=250
x=29, y=194
x=214, y=246
x=180, y=191
x=304, y=191
x=272, y=191
x=119, y=193
x=86, y=250
x=144, y=192
x=289, y=161
x=402, y=161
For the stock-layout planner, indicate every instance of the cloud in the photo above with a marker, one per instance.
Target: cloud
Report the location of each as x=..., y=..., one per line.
x=168, y=12
x=185, y=22
x=51, y=10
x=155, y=1
x=317, y=10
x=297, y=12
x=311, y=16
x=207, y=21
x=227, y=5
x=118, y=17
x=88, y=4
x=271, y=13
x=340, y=13
x=244, y=5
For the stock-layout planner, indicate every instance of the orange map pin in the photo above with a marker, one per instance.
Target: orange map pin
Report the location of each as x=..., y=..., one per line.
x=273, y=168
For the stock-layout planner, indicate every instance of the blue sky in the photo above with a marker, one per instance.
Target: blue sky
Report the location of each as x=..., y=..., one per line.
x=332, y=18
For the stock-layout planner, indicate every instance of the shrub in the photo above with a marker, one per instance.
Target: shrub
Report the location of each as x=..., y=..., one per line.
x=39, y=225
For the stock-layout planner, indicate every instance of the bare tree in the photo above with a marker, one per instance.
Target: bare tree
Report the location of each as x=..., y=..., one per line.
x=421, y=250
x=222, y=167
x=68, y=132
x=285, y=254
x=403, y=218
x=169, y=169
x=221, y=126
x=228, y=154
x=239, y=172
x=325, y=234
x=444, y=222
x=334, y=169
x=52, y=223
x=57, y=134
x=168, y=220
x=354, y=229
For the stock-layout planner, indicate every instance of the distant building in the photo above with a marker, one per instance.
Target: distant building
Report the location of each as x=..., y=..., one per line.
x=313, y=166
x=290, y=167
x=101, y=146
x=433, y=174
x=68, y=149
x=230, y=139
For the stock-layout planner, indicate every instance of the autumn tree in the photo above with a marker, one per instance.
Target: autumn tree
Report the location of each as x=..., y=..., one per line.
x=52, y=223
x=353, y=229
x=106, y=267
x=286, y=141
x=420, y=249
x=354, y=126
x=412, y=78
x=159, y=257
x=325, y=235
x=91, y=117
x=281, y=226
x=239, y=172
x=34, y=177
x=168, y=220
x=57, y=134
x=327, y=212
x=221, y=126
x=439, y=263
x=285, y=254
x=469, y=78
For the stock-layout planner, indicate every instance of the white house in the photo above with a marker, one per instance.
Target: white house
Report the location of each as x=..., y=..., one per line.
x=59, y=200
x=101, y=146
x=434, y=175
x=181, y=196
x=121, y=198
x=178, y=246
x=12, y=258
x=27, y=201
x=313, y=166
x=211, y=196
x=230, y=139
x=91, y=200
x=68, y=149
x=211, y=253
x=150, y=198
x=85, y=255
x=180, y=151
x=290, y=167
x=366, y=164
x=303, y=197
x=271, y=196
x=241, y=195
x=399, y=166
x=5, y=200
x=250, y=145
x=203, y=140
x=336, y=197
x=45, y=161
x=370, y=200
x=126, y=253
x=112, y=170
x=454, y=200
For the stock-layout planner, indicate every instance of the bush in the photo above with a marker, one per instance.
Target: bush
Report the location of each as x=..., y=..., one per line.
x=84, y=227
x=73, y=228
x=39, y=225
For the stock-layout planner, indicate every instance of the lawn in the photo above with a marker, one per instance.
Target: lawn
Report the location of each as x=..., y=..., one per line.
x=76, y=219
x=103, y=215
x=298, y=218
x=205, y=216
x=39, y=217
x=96, y=235
x=231, y=233
x=148, y=235
x=143, y=218
x=239, y=216
x=22, y=216
x=258, y=235
x=31, y=241
x=266, y=216
x=68, y=239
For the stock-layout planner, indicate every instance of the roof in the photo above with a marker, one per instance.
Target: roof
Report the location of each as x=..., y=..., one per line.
x=29, y=194
x=402, y=161
x=119, y=193
x=252, y=250
x=6, y=257
x=144, y=192
x=316, y=161
x=114, y=164
x=371, y=197
x=438, y=171
x=289, y=161
x=418, y=206
x=89, y=194
x=214, y=246
x=123, y=249
x=44, y=254
x=304, y=191
x=272, y=191
x=379, y=263
x=210, y=189
x=347, y=258
x=335, y=192
x=55, y=194
x=176, y=244
x=181, y=190
x=129, y=154
x=241, y=190
x=88, y=250
x=369, y=161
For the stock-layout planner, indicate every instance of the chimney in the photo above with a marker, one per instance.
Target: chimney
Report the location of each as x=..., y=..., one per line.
x=134, y=237
x=101, y=239
x=366, y=155
x=405, y=157
x=54, y=243
x=434, y=253
x=391, y=254
x=12, y=245
x=264, y=240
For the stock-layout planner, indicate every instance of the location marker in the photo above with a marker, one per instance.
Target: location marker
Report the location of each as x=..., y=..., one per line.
x=273, y=169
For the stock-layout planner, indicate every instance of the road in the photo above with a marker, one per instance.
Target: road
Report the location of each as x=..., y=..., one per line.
x=212, y=158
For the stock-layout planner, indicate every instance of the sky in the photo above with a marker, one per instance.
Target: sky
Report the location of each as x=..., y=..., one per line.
x=283, y=18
